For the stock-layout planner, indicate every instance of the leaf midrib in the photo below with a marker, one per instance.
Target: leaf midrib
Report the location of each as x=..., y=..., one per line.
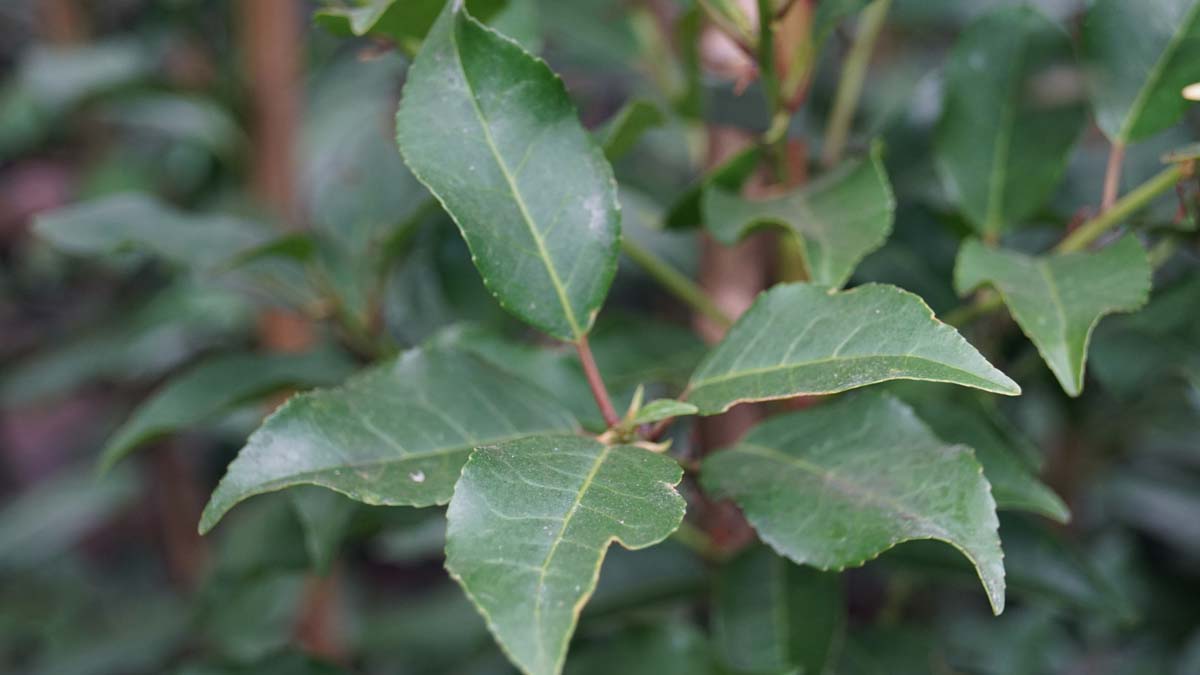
x=540, y=591
x=848, y=489
x=733, y=375
x=1155, y=74
x=1002, y=146
x=559, y=289
x=417, y=456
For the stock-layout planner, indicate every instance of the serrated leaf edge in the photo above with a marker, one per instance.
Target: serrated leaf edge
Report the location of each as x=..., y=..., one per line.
x=577, y=609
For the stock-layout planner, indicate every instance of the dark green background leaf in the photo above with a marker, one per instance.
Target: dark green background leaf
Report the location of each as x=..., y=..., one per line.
x=1006, y=126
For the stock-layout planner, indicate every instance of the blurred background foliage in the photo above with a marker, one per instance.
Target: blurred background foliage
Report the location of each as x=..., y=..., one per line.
x=145, y=115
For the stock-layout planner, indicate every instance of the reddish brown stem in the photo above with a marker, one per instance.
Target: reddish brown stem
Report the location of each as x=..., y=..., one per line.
x=596, y=383
x=1112, y=177
x=62, y=22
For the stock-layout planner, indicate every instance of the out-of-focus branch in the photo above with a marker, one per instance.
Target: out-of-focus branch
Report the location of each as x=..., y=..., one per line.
x=854, y=74
x=62, y=22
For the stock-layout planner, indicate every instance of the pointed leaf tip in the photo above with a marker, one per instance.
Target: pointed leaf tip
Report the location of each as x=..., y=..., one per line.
x=803, y=339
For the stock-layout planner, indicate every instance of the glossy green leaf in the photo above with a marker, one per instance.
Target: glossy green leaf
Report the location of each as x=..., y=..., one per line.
x=1057, y=300
x=661, y=409
x=395, y=435
x=216, y=385
x=1006, y=128
x=1138, y=57
x=772, y=616
x=141, y=223
x=1015, y=485
x=530, y=522
x=840, y=218
x=489, y=129
x=836, y=485
x=801, y=339
x=405, y=21
x=625, y=128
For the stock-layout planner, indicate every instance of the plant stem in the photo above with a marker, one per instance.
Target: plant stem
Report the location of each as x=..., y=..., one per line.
x=854, y=74
x=1112, y=176
x=1131, y=203
x=599, y=392
x=776, y=133
x=965, y=314
x=697, y=540
x=1085, y=234
x=674, y=281
x=1161, y=252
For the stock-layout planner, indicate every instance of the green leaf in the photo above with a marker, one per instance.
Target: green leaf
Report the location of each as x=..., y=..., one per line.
x=629, y=351
x=665, y=647
x=60, y=77
x=836, y=485
x=661, y=409
x=802, y=339
x=1039, y=565
x=529, y=525
x=489, y=129
x=141, y=223
x=1058, y=299
x=1006, y=129
x=46, y=521
x=136, y=342
x=1139, y=56
x=771, y=616
x=839, y=218
x=965, y=421
x=625, y=128
x=395, y=435
x=729, y=175
x=216, y=385
x=405, y=21
x=248, y=619
x=324, y=518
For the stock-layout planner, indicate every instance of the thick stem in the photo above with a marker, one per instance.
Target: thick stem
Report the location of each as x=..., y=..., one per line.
x=854, y=74
x=1112, y=176
x=599, y=391
x=675, y=281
